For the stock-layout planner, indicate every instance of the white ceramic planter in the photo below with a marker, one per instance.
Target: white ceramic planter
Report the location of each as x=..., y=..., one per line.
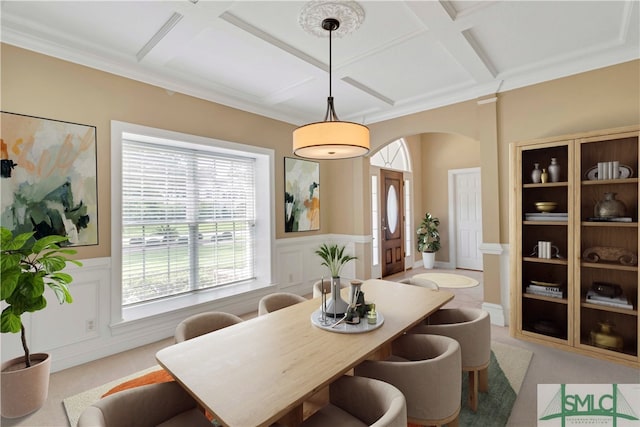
x=428, y=259
x=24, y=390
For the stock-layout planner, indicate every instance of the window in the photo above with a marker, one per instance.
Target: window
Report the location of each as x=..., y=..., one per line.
x=375, y=246
x=392, y=156
x=189, y=216
x=408, y=228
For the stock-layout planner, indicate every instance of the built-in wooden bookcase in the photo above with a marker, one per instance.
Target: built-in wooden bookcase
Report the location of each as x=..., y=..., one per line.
x=557, y=311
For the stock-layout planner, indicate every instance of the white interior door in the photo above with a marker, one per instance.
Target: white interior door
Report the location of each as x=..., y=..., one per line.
x=468, y=218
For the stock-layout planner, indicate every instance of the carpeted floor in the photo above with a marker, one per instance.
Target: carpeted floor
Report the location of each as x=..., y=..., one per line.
x=507, y=370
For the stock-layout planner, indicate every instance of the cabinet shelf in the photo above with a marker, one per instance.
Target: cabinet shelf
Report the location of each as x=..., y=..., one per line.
x=626, y=353
x=611, y=181
x=609, y=308
x=545, y=223
x=607, y=266
x=556, y=261
x=544, y=337
x=545, y=298
x=612, y=224
x=546, y=185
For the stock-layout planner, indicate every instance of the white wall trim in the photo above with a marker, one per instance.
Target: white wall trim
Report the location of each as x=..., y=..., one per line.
x=500, y=312
x=491, y=248
x=505, y=282
x=496, y=313
x=62, y=330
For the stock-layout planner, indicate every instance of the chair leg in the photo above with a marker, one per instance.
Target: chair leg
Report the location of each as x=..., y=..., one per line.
x=453, y=423
x=473, y=390
x=483, y=385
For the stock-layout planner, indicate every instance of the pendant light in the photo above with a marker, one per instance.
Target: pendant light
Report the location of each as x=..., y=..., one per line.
x=331, y=138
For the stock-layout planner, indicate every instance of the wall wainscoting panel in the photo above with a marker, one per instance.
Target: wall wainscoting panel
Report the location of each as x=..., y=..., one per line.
x=83, y=331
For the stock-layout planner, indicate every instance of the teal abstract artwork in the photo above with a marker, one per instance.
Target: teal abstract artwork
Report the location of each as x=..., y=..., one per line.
x=49, y=178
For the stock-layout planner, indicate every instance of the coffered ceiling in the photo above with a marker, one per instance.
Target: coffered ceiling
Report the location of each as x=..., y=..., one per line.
x=407, y=56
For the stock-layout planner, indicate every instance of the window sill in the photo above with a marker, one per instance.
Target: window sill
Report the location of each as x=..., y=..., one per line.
x=224, y=294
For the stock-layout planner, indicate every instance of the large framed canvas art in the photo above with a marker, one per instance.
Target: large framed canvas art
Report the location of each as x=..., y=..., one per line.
x=49, y=178
x=301, y=195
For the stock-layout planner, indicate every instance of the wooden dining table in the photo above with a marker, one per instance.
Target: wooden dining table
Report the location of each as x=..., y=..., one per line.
x=260, y=371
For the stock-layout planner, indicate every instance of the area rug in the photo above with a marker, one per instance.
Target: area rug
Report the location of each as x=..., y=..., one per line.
x=448, y=280
x=507, y=370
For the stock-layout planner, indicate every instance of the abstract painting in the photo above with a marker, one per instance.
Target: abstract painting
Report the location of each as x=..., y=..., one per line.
x=301, y=195
x=49, y=178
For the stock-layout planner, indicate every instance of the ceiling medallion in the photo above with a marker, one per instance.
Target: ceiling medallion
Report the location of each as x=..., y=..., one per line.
x=349, y=13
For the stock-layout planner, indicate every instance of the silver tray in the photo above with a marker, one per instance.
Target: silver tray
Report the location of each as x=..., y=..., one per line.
x=345, y=328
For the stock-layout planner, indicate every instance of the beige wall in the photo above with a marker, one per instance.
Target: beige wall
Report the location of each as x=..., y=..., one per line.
x=600, y=99
x=38, y=85
x=43, y=86
x=604, y=98
x=442, y=152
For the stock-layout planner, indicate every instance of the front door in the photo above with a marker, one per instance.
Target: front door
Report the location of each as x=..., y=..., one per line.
x=392, y=222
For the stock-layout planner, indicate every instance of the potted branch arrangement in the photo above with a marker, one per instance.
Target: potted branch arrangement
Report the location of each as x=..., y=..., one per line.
x=428, y=239
x=334, y=258
x=28, y=265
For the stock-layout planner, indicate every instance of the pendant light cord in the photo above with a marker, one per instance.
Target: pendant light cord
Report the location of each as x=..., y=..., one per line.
x=330, y=31
x=330, y=24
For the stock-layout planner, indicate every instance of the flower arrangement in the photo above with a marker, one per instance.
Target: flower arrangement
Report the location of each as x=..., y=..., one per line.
x=333, y=258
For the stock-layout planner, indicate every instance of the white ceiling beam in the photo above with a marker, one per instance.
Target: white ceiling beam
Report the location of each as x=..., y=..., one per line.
x=436, y=16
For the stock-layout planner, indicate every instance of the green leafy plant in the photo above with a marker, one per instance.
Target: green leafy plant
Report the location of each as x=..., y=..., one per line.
x=428, y=236
x=333, y=258
x=27, y=265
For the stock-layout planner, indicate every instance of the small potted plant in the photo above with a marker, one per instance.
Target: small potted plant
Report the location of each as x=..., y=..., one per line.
x=28, y=265
x=428, y=239
x=334, y=258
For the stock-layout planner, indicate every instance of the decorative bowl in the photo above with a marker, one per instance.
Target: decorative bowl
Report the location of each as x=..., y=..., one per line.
x=546, y=206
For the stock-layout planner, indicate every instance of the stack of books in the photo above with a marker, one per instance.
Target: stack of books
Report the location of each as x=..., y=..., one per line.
x=546, y=216
x=612, y=219
x=620, y=301
x=535, y=288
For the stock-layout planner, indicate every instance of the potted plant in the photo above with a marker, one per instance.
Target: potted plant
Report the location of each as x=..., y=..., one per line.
x=28, y=265
x=334, y=258
x=428, y=239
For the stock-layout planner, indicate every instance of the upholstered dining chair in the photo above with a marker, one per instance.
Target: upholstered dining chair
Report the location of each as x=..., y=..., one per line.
x=162, y=404
x=359, y=401
x=276, y=301
x=471, y=327
x=418, y=281
x=426, y=369
x=326, y=285
x=203, y=323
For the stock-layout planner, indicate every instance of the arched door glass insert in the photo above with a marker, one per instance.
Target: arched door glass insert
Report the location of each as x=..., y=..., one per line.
x=392, y=156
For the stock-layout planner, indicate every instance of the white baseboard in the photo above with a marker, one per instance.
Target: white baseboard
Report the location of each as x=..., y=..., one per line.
x=496, y=313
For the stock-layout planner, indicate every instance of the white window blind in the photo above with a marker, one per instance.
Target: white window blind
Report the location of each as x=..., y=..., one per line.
x=188, y=220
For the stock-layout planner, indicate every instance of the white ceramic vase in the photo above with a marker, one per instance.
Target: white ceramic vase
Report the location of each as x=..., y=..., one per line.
x=554, y=170
x=536, y=173
x=428, y=259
